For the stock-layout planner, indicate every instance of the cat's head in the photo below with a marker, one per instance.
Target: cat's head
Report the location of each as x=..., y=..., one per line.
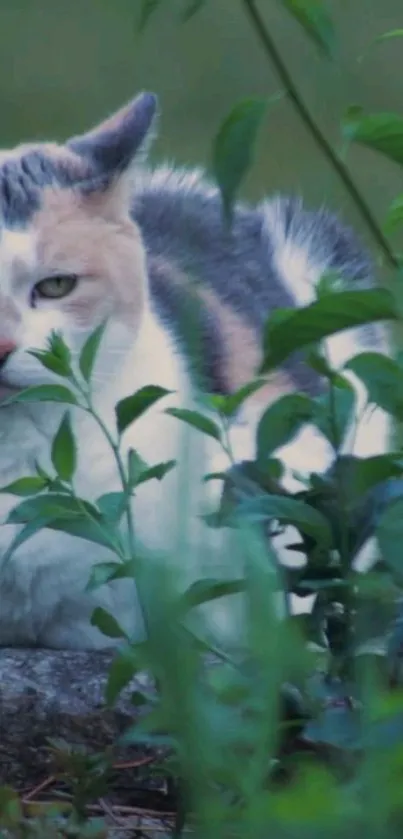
x=70, y=254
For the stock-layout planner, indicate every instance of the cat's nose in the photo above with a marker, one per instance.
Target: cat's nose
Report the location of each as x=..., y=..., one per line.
x=6, y=348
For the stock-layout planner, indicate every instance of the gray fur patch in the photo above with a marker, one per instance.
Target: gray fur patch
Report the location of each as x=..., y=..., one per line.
x=111, y=147
x=195, y=329
x=21, y=181
x=180, y=217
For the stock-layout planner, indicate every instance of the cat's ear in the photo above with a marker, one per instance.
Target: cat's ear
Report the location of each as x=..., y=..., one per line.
x=114, y=145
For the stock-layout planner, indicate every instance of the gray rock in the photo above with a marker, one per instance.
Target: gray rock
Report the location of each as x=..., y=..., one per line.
x=53, y=694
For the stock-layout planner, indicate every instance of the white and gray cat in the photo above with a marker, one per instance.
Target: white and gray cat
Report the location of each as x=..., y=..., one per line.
x=89, y=232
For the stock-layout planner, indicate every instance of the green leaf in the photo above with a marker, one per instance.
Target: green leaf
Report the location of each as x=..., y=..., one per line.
x=112, y=505
x=289, y=511
x=331, y=314
x=382, y=378
x=157, y=472
x=138, y=699
x=132, y=407
x=64, y=454
x=105, y=572
x=281, y=422
x=381, y=132
x=389, y=532
x=58, y=347
x=89, y=352
x=335, y=411
x=312, y=585
x=233, y=148
x=148, y=8
x=52, y=362
x=356, y=475
x=230, y=403
x=11, y=812
x=394, y=217
x=330, y=283
x=120, y=673
x=139, y=472
x=101, y=573
x=108, y=625
x=96, y=531
x=24, y=534
x=44, y=393
x=314, y=18
x=394, y=653
x=68, y=514
x=53, y=505
x=135, y=466
x=391, y=35
x=319, y=363
x=387, y=36
x=196, y=420
x=25, y=486
x=191, y=8
x=203, y=591
x=57, y=357
x=215, y=476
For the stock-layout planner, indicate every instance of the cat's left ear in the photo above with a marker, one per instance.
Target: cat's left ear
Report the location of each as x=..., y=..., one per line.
x=110, y=148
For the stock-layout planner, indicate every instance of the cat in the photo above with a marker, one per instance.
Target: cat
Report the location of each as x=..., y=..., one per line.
x=89, y=232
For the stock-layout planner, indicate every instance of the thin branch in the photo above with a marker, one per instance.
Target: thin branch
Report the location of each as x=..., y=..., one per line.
x=329, y=153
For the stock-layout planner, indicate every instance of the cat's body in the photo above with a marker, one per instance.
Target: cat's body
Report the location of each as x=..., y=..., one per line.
x=144, y=247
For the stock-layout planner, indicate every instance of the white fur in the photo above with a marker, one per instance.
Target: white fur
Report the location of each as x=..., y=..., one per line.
x=42, y=598
x=300, y=269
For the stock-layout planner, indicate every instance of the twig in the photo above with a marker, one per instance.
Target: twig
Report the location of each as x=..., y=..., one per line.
x=134, y=764
x=316, y=133
x=125, y=810
x=110, y=811
x=39, y=788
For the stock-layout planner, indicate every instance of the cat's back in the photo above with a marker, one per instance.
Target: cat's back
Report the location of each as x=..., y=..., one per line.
x=271, y=256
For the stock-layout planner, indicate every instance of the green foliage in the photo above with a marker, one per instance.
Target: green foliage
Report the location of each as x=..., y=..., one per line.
x=64, y=450
x=382, y=377
x=326, y=316
x=316, y=21
x=281, y=422
x=44, y=393
x=289, y=511
x=391, y=35
x=196, y=420
x=147, y=10
x=389, y=533
x=394, y=216
x=380, y=132
x=89, y=352
x=133, y=407
x=228, y=404
x=26, y=486
x=335, y=410
x=233, y=148
x=107, y=623
x=190, y=9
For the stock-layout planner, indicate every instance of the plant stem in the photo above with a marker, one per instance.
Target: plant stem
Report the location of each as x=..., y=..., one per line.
x=114, y=546
x=329, y=153
x=122, y=475
x=118, y=460
x=126, y=488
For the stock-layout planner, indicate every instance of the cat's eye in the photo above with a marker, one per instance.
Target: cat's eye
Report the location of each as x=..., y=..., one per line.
x=55, y=287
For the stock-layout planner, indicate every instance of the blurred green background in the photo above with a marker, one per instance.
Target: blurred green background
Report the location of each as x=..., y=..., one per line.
x=65, y=64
